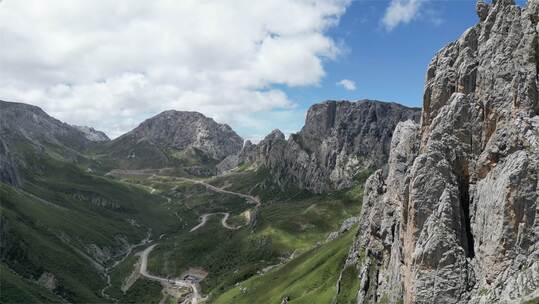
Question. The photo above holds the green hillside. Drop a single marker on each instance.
(72, 224)
(310, 278)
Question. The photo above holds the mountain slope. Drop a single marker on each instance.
(28, 129)
(456, 221)
(174, 138)
(309, 278)
(61, 224)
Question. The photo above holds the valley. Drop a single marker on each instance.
(235, 247)
(368, 202)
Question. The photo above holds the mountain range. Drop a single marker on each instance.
(370, 202)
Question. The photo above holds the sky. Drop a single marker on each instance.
(255, 65)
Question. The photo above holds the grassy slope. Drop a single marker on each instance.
(59, 201)
(288, 221)
(349, 286)
(15, 289)
(310, 278)
(60, 198)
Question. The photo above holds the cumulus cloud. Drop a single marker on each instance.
(348, 84)
(110, 64)
(400, 12)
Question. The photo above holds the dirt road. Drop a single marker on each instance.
(176, 282)
(250, 199)
(204, 219)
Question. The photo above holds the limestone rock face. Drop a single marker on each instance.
(456, 219)
(247, 155)
(339, 139)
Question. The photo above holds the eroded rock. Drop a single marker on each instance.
(455, 220)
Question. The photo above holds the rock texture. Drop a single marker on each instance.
(92, 134)
(339, 139)
(456, 220)
(149, 144)
(246, 156)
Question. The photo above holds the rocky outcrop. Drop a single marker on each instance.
(92, 134)
(339, 139)
(9, 172)
(456, 219)
(174, 136)
(246, 156)
(48, 280)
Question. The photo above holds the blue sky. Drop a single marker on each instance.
(385, 65)
(256, 65)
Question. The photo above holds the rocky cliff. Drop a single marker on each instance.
(171, 134)
(339, 139)
(455, 219)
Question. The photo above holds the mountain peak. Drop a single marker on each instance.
(149, 145)
(92, 134)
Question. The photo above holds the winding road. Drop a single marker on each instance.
(143, 270)
(204, 219)
(250, 199)
(183, 283)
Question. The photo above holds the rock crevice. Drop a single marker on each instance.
(456, 220)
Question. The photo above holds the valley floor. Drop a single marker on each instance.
(240, 236)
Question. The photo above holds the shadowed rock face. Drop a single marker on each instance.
(339, 139)
(456, 219)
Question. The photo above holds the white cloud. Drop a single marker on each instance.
(401, 11)
(348, 84)
(111, 64)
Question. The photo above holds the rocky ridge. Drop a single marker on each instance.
(454, 219)
(92, 134)
(28, 127)
(339, 139)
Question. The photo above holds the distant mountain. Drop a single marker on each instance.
(339, 139)
(92, 134)
(174, 138)
(61, 221)
(25, 131)
(38, 127)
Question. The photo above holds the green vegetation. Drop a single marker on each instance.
(15, 289)
(229, 256)
(61, 212)
(310, 278)
(119, 274)
(287, 222)
(33, 248)
(143, 291)
(349, 285)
